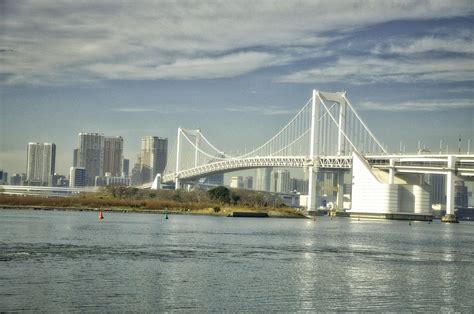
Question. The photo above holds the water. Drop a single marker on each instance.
(71, 261)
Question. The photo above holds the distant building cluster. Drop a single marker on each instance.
(97, 161)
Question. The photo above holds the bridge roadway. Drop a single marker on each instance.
(434, 164)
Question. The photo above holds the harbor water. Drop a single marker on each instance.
(53, 261)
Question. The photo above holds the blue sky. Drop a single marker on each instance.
(239, 70)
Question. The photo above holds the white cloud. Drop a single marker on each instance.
(364, 70)
(426, 105)
(427, 44)
(265, 110)
(60, 42)
(208, 68)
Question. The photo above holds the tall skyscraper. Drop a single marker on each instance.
(113, 155)
(262, 179)
(237, 182)
(126, 168)
(438, 188)
(154, 153)
(91, 155)
(75, 157)
(248, 183)
(40, 163)
(280, 181)
(4, 177)
(77, 177)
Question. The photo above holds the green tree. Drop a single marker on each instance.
(220, 193)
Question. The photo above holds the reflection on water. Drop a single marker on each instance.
(65, 261)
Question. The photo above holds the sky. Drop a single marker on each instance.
(239, 70)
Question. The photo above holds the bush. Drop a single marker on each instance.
(220, 194)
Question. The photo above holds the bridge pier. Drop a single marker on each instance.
(340, 190)
(450, 177)
(312, 181)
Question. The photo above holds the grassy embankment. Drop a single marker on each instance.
(182, 202)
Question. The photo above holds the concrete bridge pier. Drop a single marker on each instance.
(450, 177)
(340, 190)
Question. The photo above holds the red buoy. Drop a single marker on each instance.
(101, 216)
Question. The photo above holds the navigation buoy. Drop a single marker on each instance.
(101, 216)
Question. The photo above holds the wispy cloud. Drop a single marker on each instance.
(258, 109)
(453, 44)
(427, 105)
(168, 109)
(265, 110)
(365, 70)
(55, 42)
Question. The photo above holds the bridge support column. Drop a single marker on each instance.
(177, 186)
(312, 181)
(391, 172)
(450, 176)
(340, 190)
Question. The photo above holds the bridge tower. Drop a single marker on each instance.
(178, 146)
(313, 153)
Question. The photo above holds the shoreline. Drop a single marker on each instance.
(225, 212)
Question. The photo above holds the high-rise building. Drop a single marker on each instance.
(126, 168)
(3, 177)
(237, 182)
(113, 155)
(216, 179)
(438, 188)
(248, 183)
(262, 179)
(460, 194)
(280, 181)
(136, 175)
(40, 163)
(91, 155)
(299, 185)
(15, 179)
(154, 153)
(75, 157)
(77, 177)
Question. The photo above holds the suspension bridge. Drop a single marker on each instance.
(325, 133)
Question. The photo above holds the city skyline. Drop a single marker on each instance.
(238, 73)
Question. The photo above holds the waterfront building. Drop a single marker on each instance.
(136, 175)
(248, 183)
(3, 177)
(437, 184)
(280, 181)
(75, 157)
(214, 180)
(108, 179)
(299, 185)
(15, 179)
(77, 177)
(113, 155)
(470, 193)
(91, 155)
(40, 163)
(237, 182)
(262, 179)
(154, 154)
(126, 168)
(460, 194)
